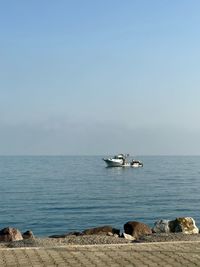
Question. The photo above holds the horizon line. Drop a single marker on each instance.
(95, 155)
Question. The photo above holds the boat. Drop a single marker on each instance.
(136, 163)
(117, 161)
(120, 161)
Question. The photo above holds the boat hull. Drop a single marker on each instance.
(136, 165)
(113, 163)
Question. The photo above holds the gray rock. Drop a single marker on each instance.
(161, 226)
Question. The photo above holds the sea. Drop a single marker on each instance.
(60, 194)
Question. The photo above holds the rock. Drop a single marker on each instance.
(58, 236)
(116, 235)
(185, 225)
(102, 230)
(66, 235)
(137, 229)
(161, 226)
(10, 234)
(128, 237)
(110, 234)
(28, 235)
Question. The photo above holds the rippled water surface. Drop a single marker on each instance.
(52, 195)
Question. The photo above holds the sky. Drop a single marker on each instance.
(99, 77)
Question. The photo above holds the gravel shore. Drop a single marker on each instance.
(96, 240)
(168, 237)
(69, 240)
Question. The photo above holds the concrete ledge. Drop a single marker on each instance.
(176, 253)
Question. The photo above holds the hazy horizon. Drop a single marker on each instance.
(90, 155)
(99, 77)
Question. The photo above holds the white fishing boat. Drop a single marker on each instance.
(120, 161)
(117, 161)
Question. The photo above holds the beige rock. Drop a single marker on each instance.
(10, 234)
(116, 235)
(110, 234)
(185, 225)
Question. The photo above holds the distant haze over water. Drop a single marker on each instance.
(59, 194)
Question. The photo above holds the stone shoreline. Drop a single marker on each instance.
(98, 240)
(180, 229)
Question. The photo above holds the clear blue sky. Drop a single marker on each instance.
(99, 77)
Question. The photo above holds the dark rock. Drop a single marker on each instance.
(58, 236)
(74, 233)
(137, 229)
(10, 234)
(66, 235)
(28, 235)
(102, 230)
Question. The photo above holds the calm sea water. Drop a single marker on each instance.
(58, 194)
